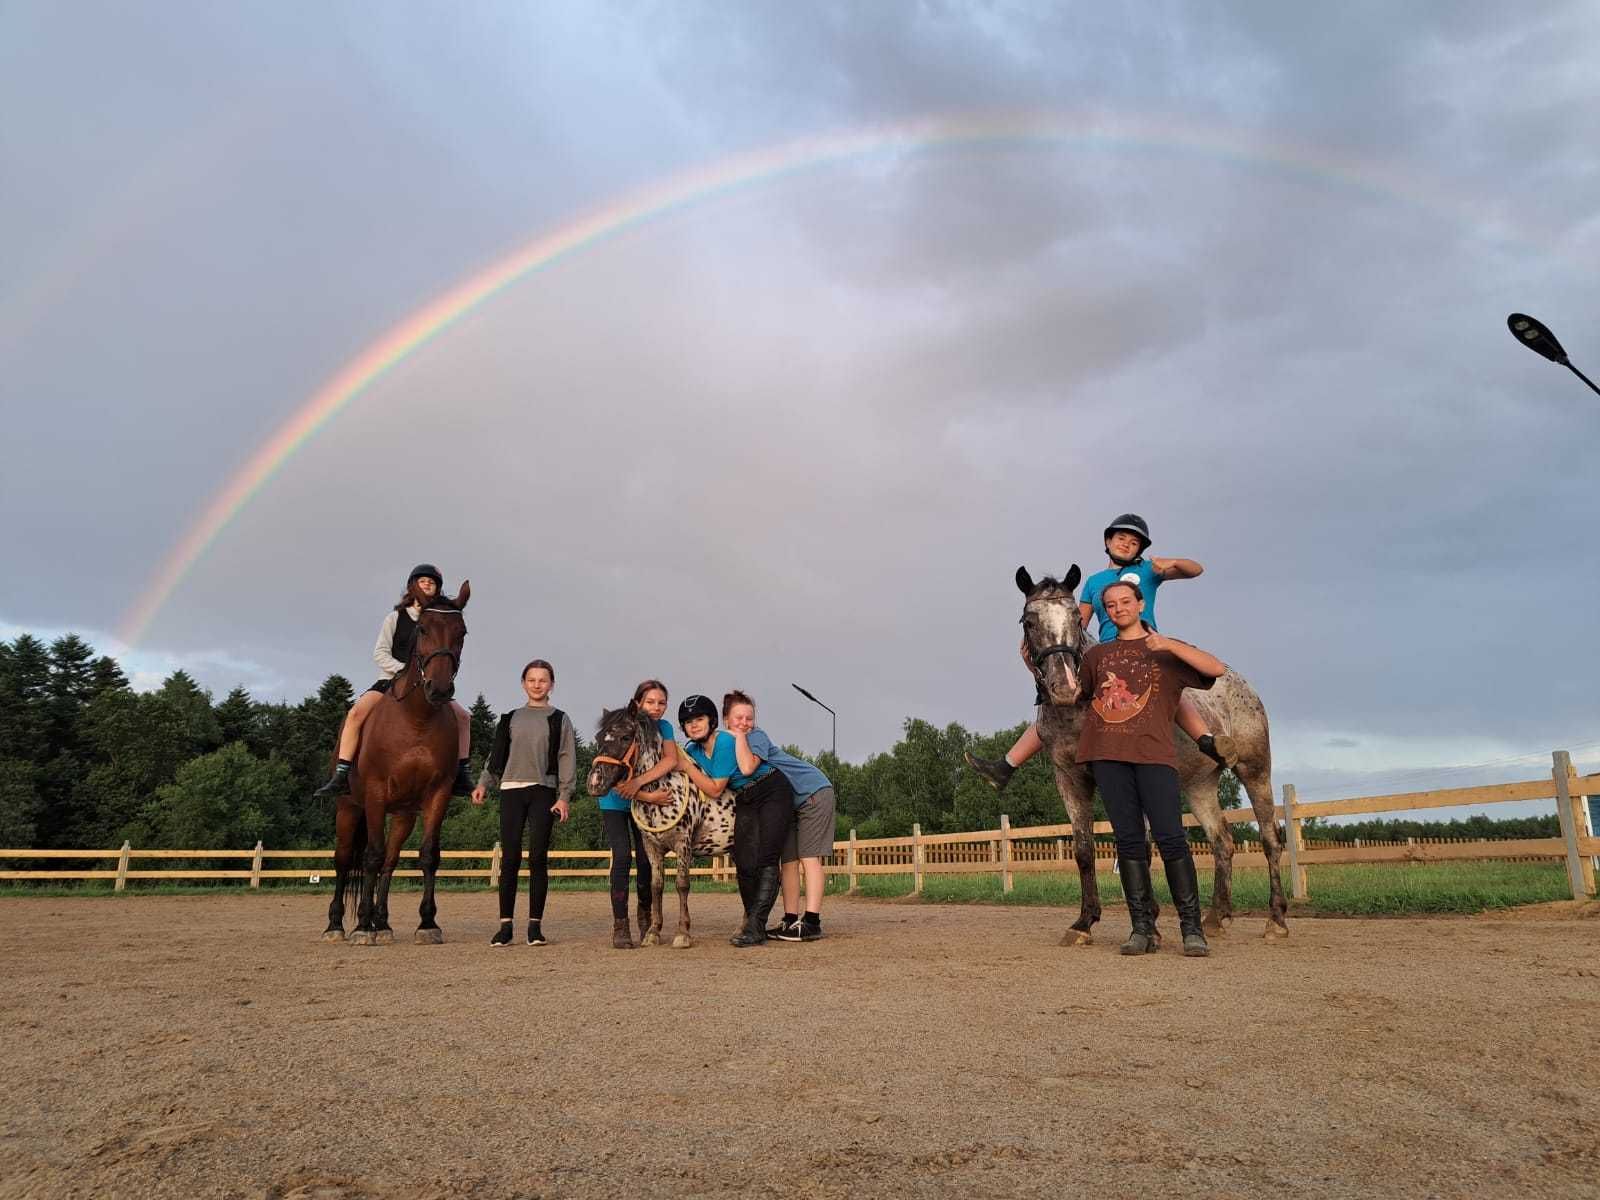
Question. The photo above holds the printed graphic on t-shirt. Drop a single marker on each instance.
(1116, 703)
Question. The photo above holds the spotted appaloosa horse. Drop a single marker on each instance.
(693, 823)
(405, 766)
(1053, 627)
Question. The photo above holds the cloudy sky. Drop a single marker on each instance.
(1010, 269)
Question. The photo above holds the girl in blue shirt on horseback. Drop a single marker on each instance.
(1126, 539)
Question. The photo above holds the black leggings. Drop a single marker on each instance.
(623, 836)
(521, 806)
(1135, 792)
(762, 813)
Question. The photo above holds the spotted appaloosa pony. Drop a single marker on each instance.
(627, 745)
(405, 766)
(1053, 627)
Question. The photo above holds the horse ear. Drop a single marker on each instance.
(464, 594)
(1073, 575)
(1024, 581)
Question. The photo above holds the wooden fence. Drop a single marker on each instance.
(1006, 852)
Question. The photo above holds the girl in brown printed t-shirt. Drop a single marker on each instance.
(1133, 686)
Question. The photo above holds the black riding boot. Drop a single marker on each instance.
(339, 785)
(1219, 749)
(463, 784)
(1136, 890)
(754, 932)
(996, 772)
(1184, 885)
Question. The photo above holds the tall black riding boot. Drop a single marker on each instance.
(754, 932)
(1136, 890)
(1184, 885)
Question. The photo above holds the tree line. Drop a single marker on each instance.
(87, 762)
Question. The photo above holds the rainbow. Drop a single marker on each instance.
(680, 191)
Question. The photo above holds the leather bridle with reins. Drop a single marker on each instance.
(422, 666)
(1074, 654)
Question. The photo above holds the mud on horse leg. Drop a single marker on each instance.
(1081, 813)
(650, 922)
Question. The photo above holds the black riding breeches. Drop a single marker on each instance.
(623, 838)
(1134, 793)
(519, 807)
(762, 814)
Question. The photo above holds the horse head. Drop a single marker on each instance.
(1053, 629)
(441, 632)
(622, 739)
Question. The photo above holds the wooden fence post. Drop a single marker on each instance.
(255, 868)
(852, 861)
(494, 866)
(1005, 853)
(1580, 871)
(916, 859)
(1061, 849)
(122, 868)
(1291, 831)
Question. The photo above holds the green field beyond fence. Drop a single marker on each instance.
(1030, 865)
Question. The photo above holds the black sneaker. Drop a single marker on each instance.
(535, 934)
(503, 936)
(786, 930)
(809, 931)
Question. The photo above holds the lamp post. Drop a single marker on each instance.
(1537, 337)
(831, 713)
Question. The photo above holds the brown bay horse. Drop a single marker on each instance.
(1053, 627)
(403, 769)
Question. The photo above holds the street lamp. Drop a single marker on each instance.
(831, 713)
(1535, 336)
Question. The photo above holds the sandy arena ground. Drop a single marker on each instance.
(212, 1046)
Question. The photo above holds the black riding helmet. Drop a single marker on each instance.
(426, 571)
(696, 706)
(1130, 523)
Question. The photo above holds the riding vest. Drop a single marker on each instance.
(500, 749)
(405, 635)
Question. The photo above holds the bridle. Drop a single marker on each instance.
(1073, 654)
(421, 666)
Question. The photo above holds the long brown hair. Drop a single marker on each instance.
(639, 693)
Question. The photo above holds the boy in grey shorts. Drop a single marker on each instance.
(810, 841)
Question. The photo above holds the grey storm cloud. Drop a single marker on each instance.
(805, 430)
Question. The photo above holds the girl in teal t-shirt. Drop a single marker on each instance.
(623, 836)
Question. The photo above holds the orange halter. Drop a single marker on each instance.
(629, 757)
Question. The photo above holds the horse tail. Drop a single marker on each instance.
(358, 872)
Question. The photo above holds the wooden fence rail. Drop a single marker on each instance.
(1004, 852)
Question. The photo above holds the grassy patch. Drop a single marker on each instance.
(1354, 890)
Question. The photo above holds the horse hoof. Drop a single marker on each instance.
(650, 939)
(682, 942)
(333, 935)
(384, 937)
(1275, 930)
(362, 937)
(1215, 925)
(1078, 937)
(429, 937)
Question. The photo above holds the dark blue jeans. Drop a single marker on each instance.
(1138, 792)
